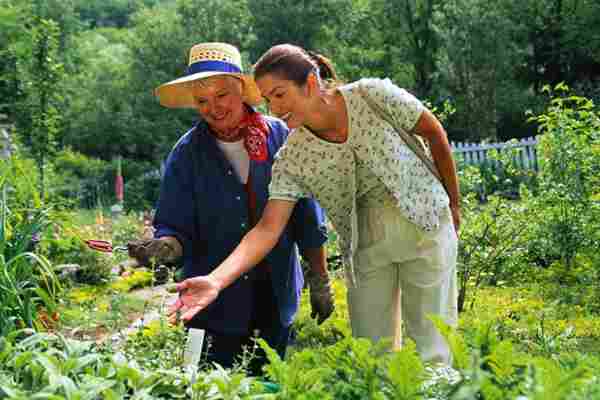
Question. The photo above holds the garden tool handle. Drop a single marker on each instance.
(104, 246)
(99, 245)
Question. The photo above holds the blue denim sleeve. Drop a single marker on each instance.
(175, 206)
(308, 224)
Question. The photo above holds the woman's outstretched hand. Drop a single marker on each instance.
(195, 294)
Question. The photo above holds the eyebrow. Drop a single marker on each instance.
(274, 89)
(217, 93)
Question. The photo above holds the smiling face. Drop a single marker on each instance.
(285, 99)
(219, 102)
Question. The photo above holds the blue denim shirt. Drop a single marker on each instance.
(205, 206)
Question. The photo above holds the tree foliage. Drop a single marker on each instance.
(487, 59)
(41, 74)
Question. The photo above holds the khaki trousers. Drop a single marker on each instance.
(404, 275)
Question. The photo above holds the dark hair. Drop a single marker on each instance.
(295, 64)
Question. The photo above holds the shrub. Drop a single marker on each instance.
(492, 244)
(137, 279)
(19, 179)
(499, 176)
(141, 193)
(94, 266)
(83, 180)
(568, 203)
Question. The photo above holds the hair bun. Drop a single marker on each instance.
(326, 70)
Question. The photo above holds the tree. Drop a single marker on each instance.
(478, 62)
(413, 38)
(62, 12)
(13, 37)
(216, 21)
(113, 110)
(356, 44)
(159, 51)
(99, 112)
(300, 22)
(42, 73)
(563, 37)
(105, 13)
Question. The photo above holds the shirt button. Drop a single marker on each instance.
(238, 198)
(245, 277)
(229, 172)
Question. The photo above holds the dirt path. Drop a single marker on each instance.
(158, 299)
(155, 295)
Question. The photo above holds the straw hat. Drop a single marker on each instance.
(206, 60)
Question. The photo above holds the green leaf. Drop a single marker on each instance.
(51, 366)
(457, 344)
(407, 373)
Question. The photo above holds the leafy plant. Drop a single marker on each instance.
(137, 279)
(406, 373)
(306, 331)
(568, 221)
(493, 241)
(27, 280)
(156, 345)
(52, 366)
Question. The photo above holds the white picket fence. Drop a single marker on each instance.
(477, 153)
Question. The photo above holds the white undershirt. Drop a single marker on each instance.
(238, 157)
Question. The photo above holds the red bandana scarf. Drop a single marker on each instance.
(254, 130)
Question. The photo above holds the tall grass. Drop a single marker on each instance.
(27, 282)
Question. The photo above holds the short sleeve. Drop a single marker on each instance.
(405, 108)
(285, 185)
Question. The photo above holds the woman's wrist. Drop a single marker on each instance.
(218, 282)
(454, 202)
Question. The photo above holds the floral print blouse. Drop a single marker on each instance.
(344, 177)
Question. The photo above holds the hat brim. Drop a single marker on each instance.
(176, 94)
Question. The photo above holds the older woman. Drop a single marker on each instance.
(213, 192)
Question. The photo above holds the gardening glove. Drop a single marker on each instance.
(163, 250)
(321, 296)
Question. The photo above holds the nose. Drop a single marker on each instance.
(210, 107)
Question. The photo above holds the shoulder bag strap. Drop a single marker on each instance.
(411, 140)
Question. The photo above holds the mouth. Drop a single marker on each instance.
(219, 117)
